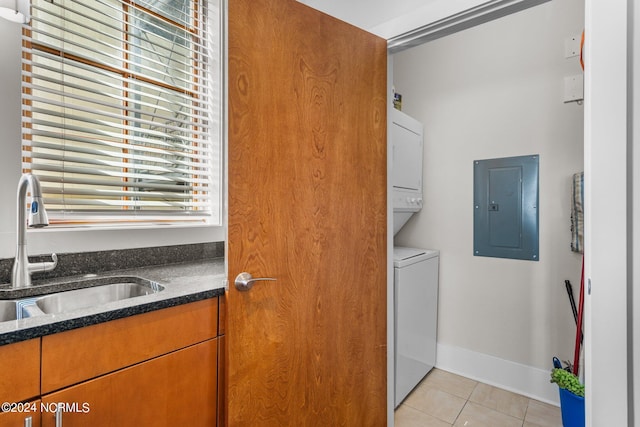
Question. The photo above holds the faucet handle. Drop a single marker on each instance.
(39, 267)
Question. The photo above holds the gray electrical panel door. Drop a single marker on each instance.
(505, 220)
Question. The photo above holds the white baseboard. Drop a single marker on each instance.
(518, 378)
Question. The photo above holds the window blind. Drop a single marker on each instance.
(121, 108)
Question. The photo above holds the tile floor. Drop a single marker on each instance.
(443, 399)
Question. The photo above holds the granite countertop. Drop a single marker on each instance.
(183, 283)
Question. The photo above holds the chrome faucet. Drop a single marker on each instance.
(22, 268)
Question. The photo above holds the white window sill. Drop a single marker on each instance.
(88, 239)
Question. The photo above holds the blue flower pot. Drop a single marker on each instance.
(572, 408)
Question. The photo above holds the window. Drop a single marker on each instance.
(121, 109)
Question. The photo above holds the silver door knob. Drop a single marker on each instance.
(244, 281)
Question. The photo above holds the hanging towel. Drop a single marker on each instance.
(577, 212)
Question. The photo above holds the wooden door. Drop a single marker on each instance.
(307, 206)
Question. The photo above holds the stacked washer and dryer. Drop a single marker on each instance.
(415, 270)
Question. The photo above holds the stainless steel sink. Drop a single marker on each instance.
(94, 296)
(8, 311)
(62, 297)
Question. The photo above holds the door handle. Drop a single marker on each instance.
(28, 422)
(244, 281)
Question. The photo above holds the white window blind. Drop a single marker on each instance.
(121, 109)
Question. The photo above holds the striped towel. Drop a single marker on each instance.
(577, 213)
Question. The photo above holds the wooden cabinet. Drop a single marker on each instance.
(20, 377)
(154, 369)
(80, 354)
(222, 402)
(177, 389)
(18, 415)
(19, 382)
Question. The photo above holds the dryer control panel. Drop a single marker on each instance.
(406, 201)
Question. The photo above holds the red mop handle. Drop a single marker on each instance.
(576, 354)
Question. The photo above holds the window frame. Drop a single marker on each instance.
(143, 223)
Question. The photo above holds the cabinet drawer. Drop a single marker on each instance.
(18, 418)
(177, 389)
(20, 378)
(81, 354)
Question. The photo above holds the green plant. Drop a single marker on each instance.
(567, 380)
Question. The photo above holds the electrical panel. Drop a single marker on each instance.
(505, 220)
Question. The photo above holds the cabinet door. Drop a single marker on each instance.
(21, 414)
(178, 389)
(81, 354)
(20, 377)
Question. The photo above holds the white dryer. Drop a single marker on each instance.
(416, 316)
(407, 152)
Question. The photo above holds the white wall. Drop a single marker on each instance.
(392, 19)
(50, 240)
(496, 91)
(378, 12)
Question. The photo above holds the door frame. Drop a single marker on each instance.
(610, 214)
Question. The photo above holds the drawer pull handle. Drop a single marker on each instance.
(59, 417)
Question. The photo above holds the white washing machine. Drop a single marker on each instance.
(416, 316)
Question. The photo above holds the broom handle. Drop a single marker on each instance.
(574, 310)
(576, 354)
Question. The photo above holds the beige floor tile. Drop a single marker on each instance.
(406, 416)
(541, 414)
(450, 383)
(443, 399)
(436, 403)
(474, 415)
(501, 400)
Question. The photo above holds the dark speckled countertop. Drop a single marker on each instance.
(184, 282)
